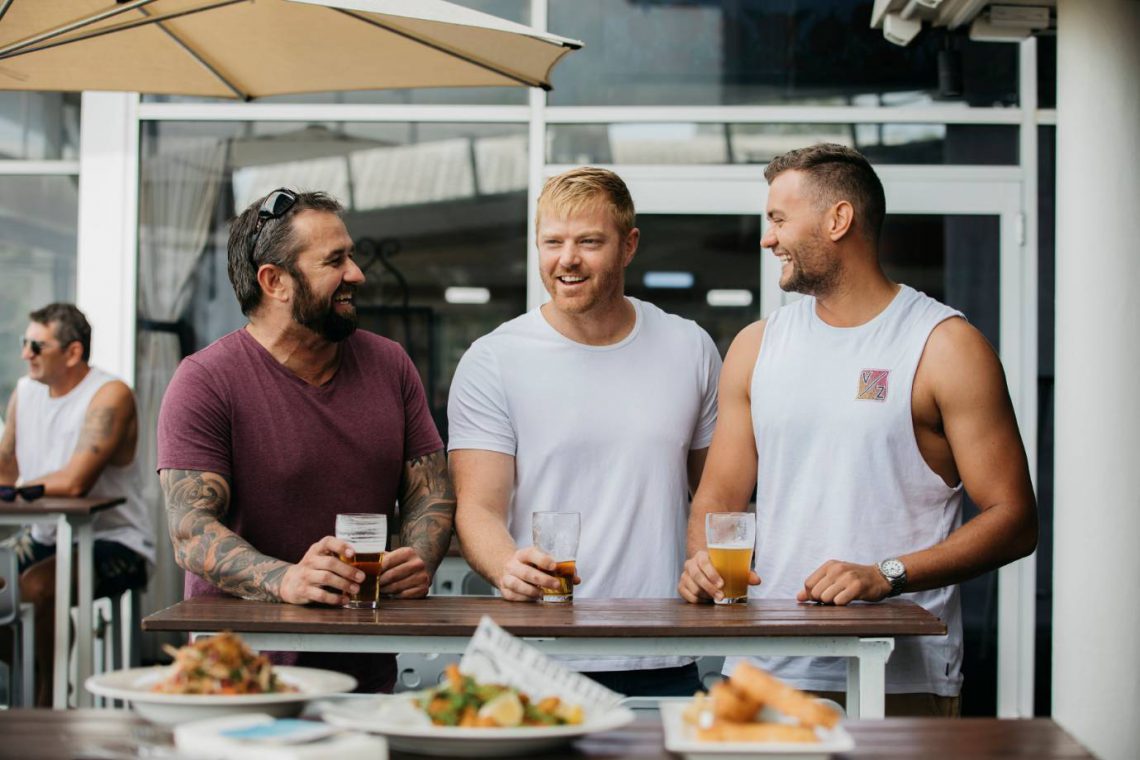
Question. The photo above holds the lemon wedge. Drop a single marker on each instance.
(505, 710)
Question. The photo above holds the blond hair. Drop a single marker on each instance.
(586, 187)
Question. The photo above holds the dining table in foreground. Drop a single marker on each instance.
(59, 735)
(863, 633)
(72, 518)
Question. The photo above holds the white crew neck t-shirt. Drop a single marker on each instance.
(600, 430)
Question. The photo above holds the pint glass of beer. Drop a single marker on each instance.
(368, 536)
(731, 536)
(556, 534)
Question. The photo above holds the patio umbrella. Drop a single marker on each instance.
(254, 48)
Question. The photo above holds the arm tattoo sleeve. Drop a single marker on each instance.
(196, 503)
(427, 507)
(97, 430)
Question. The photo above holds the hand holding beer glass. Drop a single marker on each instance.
(731, 537)
(556, 534)
(368, 536)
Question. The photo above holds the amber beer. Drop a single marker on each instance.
(564, 572)
(371, 563)
(733, 564)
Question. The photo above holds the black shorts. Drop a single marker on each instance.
(117, 568)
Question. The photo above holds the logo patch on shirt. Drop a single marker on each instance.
(873, 384)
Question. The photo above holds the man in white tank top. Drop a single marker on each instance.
(72, 431)
(868, 408)
(593, 403)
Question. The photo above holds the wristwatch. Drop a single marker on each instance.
(895, 573)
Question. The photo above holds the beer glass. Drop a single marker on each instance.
(731, 537)
(556, 534)
(368, 536)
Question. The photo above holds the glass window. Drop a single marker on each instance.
(432, 208)
(692, 143)
(752, 52)
(702, 267)
(512, 10)
(39, 126)
(38, 218)
(954, 258)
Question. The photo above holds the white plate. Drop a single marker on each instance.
(376, 715)
(135, 686)
(680, 737)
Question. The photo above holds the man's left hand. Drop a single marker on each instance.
(838, 583)
(404, 575)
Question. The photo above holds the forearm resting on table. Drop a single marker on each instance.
(427, 507)
(485, 542)
(195, 503)
(1001, 534)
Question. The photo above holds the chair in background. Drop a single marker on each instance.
(18, 617)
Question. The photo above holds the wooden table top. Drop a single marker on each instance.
(610, 618)
(63, 735)
(60, 505)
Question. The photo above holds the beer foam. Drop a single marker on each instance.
(730, 546)
(367, 547)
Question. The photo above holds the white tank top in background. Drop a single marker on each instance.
(47, 432)
(840, 474)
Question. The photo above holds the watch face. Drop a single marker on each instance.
(892, 568)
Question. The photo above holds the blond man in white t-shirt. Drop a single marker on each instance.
(593, 403)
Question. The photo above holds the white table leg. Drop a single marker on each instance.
(866, 679)
(84, 647)
(62, 612)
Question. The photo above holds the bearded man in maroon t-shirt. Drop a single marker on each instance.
(268, 433)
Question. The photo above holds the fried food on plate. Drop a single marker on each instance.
(768, 691)
(731, 731)
(732, 705)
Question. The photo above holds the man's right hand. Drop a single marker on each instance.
(523, 579)
(700, 582)
(320, 575)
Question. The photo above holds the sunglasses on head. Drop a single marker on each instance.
(35, 346)
(27, 493)
(275, 206)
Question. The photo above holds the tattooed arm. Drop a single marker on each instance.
(9, 468)
(427, 510)
(196, 504)
(110, 430)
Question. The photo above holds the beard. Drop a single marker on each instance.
(321, 318)
(814, 271)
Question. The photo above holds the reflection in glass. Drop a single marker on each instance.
(38, 219)
(761, 52)
(683, 258)
(39, 126)
(430, 207)
(692, 143)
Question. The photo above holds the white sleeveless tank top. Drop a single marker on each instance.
(840, 475)
(47, 432)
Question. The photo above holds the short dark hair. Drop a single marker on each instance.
(67, 323)
(277, 244)
(838, 173)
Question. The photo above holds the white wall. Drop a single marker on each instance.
(108, 228)
(1096, 652)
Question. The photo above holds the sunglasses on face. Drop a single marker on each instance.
(35, 346)
(275, 206)
(27, 493)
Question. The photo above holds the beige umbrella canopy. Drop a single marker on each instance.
(254, 48)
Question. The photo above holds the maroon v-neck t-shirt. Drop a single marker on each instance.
(296, 455)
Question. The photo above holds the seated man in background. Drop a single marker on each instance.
(594, 403)
(268, 433)
(73, 429)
